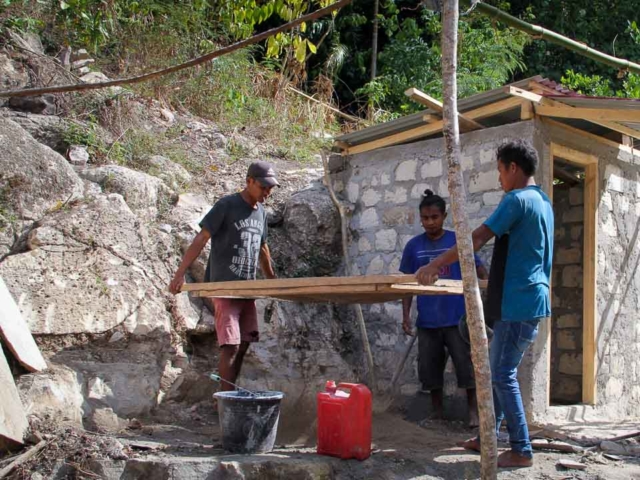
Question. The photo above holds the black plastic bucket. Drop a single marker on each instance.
(249, 423)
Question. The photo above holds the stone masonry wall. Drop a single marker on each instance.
(385, 188)
(618, 277)
(566, 325)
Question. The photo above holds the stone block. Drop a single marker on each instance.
(492, 198)
(614, 389)
(606, 200)
(483, 182)
(567, 389)
(376, 267)
(385, 179)
(13, 421)
(576, 196)
(353, 189)
(370, 197)
(572, 276)
(386, 240)
(568, 256)
(608, 227)
(570, 363)
(567, 339)
(569, 320)
(397, 216)
(375, 181)
(467, 161)
(394, 265)
(369, 219)
(417, 191)
(615, 180)
(397, 196)
(472, 208)
(573, 215)
(576, 232)
(487, 156)
(364, 245)
(558, 233)
(431, 169)
(406, 171)
(404, 239)
(443, 187)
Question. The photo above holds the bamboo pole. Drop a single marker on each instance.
(347, 265)
(553, 37)
(473, 302)
(29, 92)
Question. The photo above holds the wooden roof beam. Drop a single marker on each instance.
(466, 124)
(540, 101)
(435, 127)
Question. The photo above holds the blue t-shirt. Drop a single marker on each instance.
(525, 217)
(434, 311)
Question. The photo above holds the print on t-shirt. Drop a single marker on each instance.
(243, 263)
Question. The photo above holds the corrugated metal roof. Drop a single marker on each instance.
(583, 101)
(408, 122)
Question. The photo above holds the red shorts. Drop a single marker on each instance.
(236, 321)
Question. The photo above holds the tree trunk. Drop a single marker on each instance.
(473, 302)
(374, 41)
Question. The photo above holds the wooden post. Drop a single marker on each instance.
(473, 302)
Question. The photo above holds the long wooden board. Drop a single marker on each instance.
(356, 289)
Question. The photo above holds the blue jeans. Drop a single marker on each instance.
(510, 341)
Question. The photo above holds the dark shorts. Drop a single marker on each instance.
(432, 357)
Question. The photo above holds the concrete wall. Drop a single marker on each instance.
(385, 188)
(618, 281)
(566, 325)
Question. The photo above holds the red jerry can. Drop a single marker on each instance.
(344, 421)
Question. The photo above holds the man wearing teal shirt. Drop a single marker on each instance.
(518, 292)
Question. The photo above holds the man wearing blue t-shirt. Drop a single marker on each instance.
(438, 315)
(518, 293)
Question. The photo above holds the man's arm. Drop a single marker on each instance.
(189, 257)
(265, 261)
(406, 315)
(482, 273)
(428, 274)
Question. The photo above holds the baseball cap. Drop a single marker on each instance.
(264, 173)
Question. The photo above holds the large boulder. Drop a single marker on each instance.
(174, 175)
(46, 129)
(311, 240)
(91, 269)
(33, 178)
(12, 75)
(141, 191)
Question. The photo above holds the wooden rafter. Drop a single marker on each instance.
(541, 101)
(432, 128)
(466, 123)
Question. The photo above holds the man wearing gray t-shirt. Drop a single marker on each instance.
(237, 228)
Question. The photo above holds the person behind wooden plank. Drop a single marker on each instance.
(237, 227)
(438, 315)
(518, 294)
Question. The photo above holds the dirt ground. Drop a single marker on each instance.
(190, 448)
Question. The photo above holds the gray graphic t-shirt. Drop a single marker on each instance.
(237, 232)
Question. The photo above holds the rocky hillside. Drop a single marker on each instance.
(92, 229)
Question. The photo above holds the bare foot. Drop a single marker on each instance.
(471, 444)
(511, 459)
(473, 420)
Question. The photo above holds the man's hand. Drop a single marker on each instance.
(406, 326)
(176, 283)
(427, 275)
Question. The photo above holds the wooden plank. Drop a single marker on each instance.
(572, 155)
(590, 272)
(586, 135)
(430, 129)
(600, 114)
(16, 334)
(422, 98)
(541, 101)
(526, 111)
(13, 420)
(301, 282)
(22, 458)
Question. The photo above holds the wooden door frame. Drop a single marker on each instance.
(589, 263)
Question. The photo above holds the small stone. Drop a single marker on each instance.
(83, 71)
(370, 197)
(82, 63)
(484, 181)
(94, 77)
(134, 424)
(352, 192)
(376, 267)
(397, 196)
(116, 337)
(572, 465)
(364, 245)
(78, 155)
(167, 115)
(386, 240)
(369, 219)
(81, 54)
(165, 227)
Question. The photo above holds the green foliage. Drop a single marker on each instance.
(587, 84)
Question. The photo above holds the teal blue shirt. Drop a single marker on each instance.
(526, 217)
